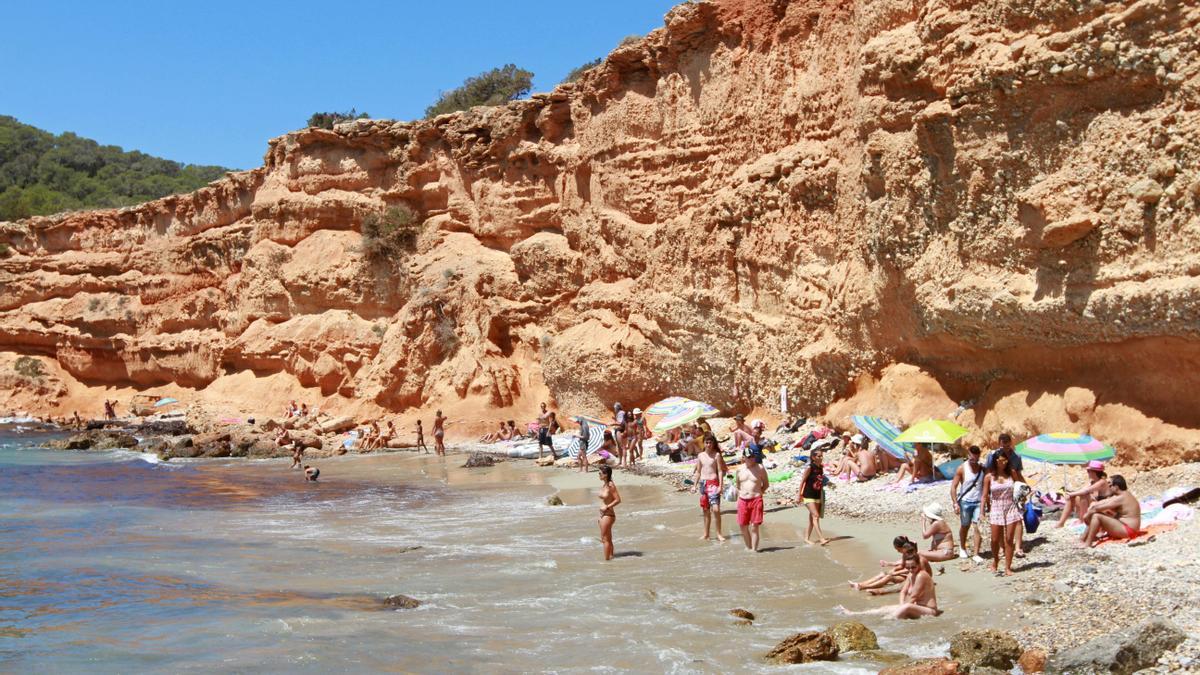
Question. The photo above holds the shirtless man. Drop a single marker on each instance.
(919, 467)
(866, 459)
(1120, 515)
(421, 437)
(707, 479)
(543, 421)
(918, 597)
(439, 433)
(283, 437)
(388, 434)
(752, 482)
(742, 434)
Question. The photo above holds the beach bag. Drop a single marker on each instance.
(731, 492)
(1033, 517)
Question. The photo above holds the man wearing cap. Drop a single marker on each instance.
(1014, 463)
(752, 482)
(965, 496)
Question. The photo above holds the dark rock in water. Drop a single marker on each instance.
(401, 602)
(985, 649)
(95, 439)
(878, 656)
(742, 614)
(157, 446)
(853, 636)
(554, 500)
(1122, 652)
(804, 648)
(924, 667)
(163, 428)
(478, 459)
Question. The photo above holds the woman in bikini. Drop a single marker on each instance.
(609, 499)
(895, 573)
(1079, 501)
(812, 495)
(439, 433)
(935, 528)
(1002, 512)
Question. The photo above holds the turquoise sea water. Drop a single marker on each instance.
(115, 562)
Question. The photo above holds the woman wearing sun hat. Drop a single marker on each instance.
(935, 528)
(1079, 501)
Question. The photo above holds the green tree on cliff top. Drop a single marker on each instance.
(326, 120)
(495, 87)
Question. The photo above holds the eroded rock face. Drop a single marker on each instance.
(759, 193)
(1123, 652)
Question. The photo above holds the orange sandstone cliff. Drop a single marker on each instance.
(886, 205)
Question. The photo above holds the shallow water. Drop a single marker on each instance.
(114, 562)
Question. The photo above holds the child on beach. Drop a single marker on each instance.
(311, 473)
(707, 480)
(421, 437)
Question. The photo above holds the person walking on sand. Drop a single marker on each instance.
(1002, 512)
(439, 433)
(1079, 501)
(935, 528)
(421, 437)
(752, 482)
(965, 496)
(707, 479)
(812, 496)
(1120, 515)
(1016, 465)
(543, 421)
(609, 499)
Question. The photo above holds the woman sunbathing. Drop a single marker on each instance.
(1079, 501)
(895, 574)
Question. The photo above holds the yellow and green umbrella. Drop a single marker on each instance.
(932, 431)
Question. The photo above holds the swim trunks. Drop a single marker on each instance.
(750, 511)
(710, 494)
(1130, 533)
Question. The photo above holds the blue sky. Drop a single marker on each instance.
(211, 82)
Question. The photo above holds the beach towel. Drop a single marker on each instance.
(906, 488)
(1143, 535)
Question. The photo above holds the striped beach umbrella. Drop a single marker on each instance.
(932, 431)
(595, 435)
(684, 415)
(666, 405)
(1065, 448)
(884, 433)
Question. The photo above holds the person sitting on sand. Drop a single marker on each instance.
(707, 479)
(311, 473)
(935, 528)
(752, 483)
(371, 438)
(918, 596)
(848, 465)
(919, 466)
(1002, 512)
(895, 571)
(283, 437)
(1079, 501)
(966, 496)
(609, 499)
(303, 410)
(867, 469)
(387, 435)
(812, 496)
(494, 436)
(1120, 516)
(886, 461)
(786, 425)
(742, 434)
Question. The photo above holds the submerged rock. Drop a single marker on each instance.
(853, 636)
(554, 500)
(1122, 652)
(742, 614)
(478, 459)
(95, 439)
(804, 648)
(401, 602)
(985, 649)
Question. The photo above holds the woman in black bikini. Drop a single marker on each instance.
(812, 495)
(609, 498)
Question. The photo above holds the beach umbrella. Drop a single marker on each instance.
(165, 401)
(684, 415)
(1065, 448)
(596, 430)
(666, 405)
(932, 431)
(884, 434)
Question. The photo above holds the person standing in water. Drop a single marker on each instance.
(421, 437)
(609, 499)
(812, 495)
(751, 484)
(439, 433)
(707, 479)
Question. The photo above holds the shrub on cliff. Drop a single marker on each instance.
(390, 234)
(4, 250)
(578, 71)
(326, 120)
(27, 366)
(41, 173)
(495, 87)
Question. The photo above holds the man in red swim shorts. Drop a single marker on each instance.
(751, 483)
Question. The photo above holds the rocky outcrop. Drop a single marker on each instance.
(99, 439)
(758, 193)
(804, 648)
(479, 459)
(974, 649)
(924, 667)
(401, 602)
(1122, 652)
(853, 636)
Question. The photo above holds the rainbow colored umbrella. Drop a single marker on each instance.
(665, 406)
(1065, 448)
(884, 434)
(685, 414)
(932, 431)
